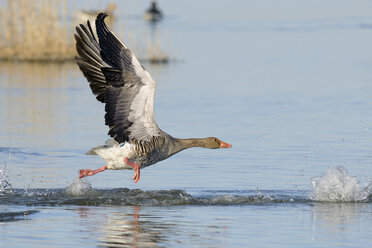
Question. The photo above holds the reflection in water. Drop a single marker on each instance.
(45, 99)
(49, 119)
(32, 103)
(156, 54)
(336, 217)
(134, 226)
(39, 112)
(125, 228)
(35, 75)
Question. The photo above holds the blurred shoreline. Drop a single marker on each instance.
(42, 31)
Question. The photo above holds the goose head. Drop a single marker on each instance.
(214, 143)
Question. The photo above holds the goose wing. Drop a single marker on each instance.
(118, 79)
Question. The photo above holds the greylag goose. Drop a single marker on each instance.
(117, 79)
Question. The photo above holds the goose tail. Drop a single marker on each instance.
(109, 143)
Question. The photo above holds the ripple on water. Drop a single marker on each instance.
(335, 185)
(81, 194)
(14, 216)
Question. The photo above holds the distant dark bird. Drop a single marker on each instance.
(153, 14)
(117, 79)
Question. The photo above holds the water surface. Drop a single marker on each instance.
(288, 84)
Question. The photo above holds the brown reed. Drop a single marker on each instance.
(41, 31)
(35, 31)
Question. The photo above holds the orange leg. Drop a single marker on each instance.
(89, 172)
(136, 169)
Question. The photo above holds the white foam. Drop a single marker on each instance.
(5, 185)
(79, 187)
(336, 185)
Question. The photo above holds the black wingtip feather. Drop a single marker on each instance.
(110, 45)
(89, 60)
(101, 17)
(91, 31)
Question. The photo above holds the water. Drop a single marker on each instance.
(286, 83)
(336, 185)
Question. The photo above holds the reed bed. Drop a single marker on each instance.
(42, 31)
(35, 31)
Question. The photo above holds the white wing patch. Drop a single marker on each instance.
(142, 108)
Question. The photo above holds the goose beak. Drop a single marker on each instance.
(225, 145)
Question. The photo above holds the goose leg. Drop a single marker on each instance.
(89, 172)
(136, 169)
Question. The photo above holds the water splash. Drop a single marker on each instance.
(79, 187)
(337, 185)
(5, 185)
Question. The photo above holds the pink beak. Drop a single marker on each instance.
(224, 145)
